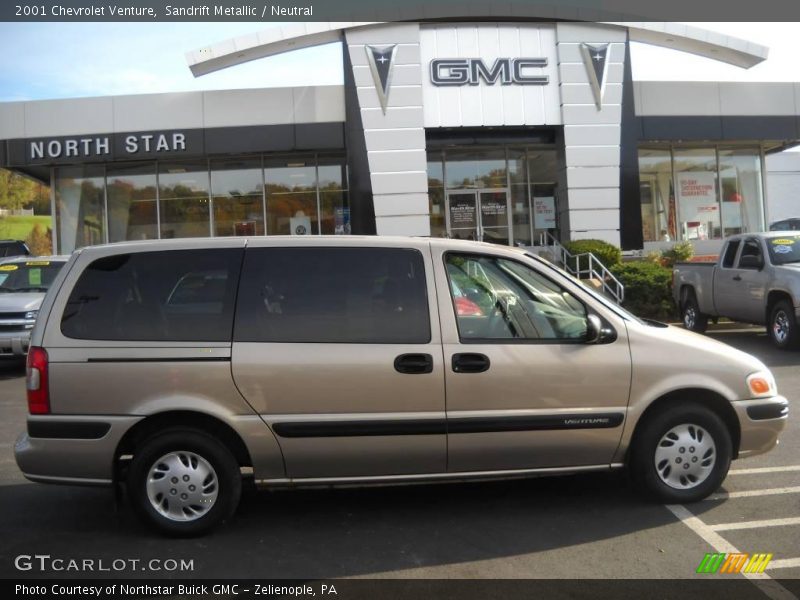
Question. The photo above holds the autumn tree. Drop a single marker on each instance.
(17, 191)
(40, 241)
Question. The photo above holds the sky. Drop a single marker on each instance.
(69, 60)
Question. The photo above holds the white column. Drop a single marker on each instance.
(395, 140)
(591, 136)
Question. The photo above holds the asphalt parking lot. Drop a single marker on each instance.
(588, 526)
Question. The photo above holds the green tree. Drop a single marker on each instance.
(17, 191)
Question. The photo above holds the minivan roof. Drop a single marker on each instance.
(310, 240)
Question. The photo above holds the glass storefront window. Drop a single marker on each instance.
(656, 194)
(542, 165)
(236, 191)
(334, 208)
(521, 214)
(201, 198)
(436, 194)
(487, 193)
(80, 207)
(742, 198)
(291, 191)
(476, 169)
(700, 193)
(335, 211)
(183, 198)
(696, 191)
(545, 208)
(132, 210)
(517, 166)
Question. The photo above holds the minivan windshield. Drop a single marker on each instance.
(28, 276)
(784, 250)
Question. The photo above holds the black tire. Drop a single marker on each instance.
(692, 318)
(782, 326)
(648, 441)
(187, 447)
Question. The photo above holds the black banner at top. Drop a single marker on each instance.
(392, 10)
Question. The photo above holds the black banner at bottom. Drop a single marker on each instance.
(713, 588)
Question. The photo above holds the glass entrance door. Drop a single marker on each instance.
(494, 216)
(462, 215)
(478, 215)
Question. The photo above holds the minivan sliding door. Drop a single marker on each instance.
(334, 347)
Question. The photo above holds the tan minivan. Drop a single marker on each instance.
(180, 367)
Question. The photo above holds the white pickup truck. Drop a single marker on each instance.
(756, 280)
(24, 281)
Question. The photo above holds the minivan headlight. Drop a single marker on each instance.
(31, 314)
(761, 385)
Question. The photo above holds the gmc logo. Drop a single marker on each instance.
(470, 71)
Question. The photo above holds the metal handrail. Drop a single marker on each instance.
(594, 268)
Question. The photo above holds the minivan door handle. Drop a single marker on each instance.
(469, 362)
(413, 364)
(737, 278)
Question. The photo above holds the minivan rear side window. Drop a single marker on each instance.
(164, 296)
(333, 295)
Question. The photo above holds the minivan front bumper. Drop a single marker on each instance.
(761, 422)
(71, 450)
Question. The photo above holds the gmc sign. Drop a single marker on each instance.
(470, 71)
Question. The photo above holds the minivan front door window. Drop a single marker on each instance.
(495, 298)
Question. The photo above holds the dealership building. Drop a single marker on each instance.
(507, 131)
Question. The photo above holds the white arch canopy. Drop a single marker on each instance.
(277, 40)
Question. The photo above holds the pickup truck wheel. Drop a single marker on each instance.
(681, 454)
(693, 319)
(783, 326)
(183, 482)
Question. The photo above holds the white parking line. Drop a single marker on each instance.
(762, 581)
(755, 524)
(753, 493)
(784, 563)
(764, 470)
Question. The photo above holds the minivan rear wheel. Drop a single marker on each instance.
(681, 454)
(184, 482)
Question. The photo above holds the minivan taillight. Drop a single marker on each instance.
(36, 381)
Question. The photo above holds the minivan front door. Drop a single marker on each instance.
(524, 390)
(338, 349)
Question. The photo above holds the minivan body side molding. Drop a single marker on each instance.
(161, 360)
(423, 477)
(68, 430)
(451, 425)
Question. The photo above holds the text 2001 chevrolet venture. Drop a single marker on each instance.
(177, 366)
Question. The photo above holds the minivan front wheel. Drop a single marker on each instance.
(184, 482)
(681, 454)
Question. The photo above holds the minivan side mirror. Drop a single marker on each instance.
(596, 333)
(594, 329)
(751, 262)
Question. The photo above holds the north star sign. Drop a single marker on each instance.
(471, 71)
(91, 146)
